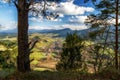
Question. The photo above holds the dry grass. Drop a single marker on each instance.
(48, 64)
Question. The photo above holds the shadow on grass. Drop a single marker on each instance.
(55, 75)
(6, 72)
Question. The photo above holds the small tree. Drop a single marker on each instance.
(70, 57)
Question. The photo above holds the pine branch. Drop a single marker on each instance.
(31, 2)
(15, 3)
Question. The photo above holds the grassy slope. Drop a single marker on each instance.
(46, 40)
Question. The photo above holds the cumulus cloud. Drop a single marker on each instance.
(66, 8)
(61, 15)
(78, 19)
(4, 1)
(37, 19)
(9, 26)
(69, 8)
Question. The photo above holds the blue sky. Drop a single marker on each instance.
(71, 15)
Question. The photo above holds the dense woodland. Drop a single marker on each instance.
(38, 56)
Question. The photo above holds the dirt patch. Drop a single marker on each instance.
(49, 64)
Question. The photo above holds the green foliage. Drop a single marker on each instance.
(7, 57)
(70, 57)
(106, 14)
(101, 57)
(105, 19)
(5, 61)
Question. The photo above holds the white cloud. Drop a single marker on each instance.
(40, 19)
(69, 8)
(77, 19)
(61, 15)
(4, 1)
(34, 19)
(76, 23)
(112, 21)
(63, 8)
(9, 26)
(74, 27)
(55, 20)
(13, 25)
(40, 27)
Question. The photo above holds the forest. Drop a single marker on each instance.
(82, 43)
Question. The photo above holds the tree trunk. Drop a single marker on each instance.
(116, 36)
(23, 62)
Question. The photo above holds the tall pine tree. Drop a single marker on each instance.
(108, 16)
(24, 46)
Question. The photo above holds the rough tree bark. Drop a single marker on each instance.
(116, 36)
(23, 62)
(24, 48)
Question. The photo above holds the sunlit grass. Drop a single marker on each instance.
(2, 48)
(37, 56)
(42, 69)
(87, 43)
(11, 39)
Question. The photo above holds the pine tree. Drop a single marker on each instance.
(108, 15)
(70, 57)
(24, 46)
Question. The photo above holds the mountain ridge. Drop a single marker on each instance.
(60, 32)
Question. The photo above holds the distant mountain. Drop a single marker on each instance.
(60, 32)
(40, 31)
(64, 32)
